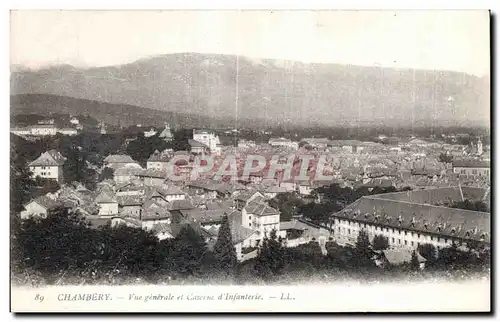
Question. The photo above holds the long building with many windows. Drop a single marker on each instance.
(409, 219)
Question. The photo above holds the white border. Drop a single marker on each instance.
(148, 4)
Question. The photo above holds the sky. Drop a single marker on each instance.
(443, 40)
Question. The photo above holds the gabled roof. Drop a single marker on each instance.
(180, 205)
(238, 232)
(151, 173)
(129, 200)
(49, 158)
(45, 202)
(197, 144)
(119, 158)
(452, 222)
(260, 209)
(105, 197)
(161, 228)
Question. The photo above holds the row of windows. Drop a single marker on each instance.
(412, 234)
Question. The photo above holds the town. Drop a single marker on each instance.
(405, 196)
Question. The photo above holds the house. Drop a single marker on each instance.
(162, 231)
(283, 142)
(409, 219)
(48, 165)
(127, 173)
(471, 168)
(208, 139)
(198, 147)
(243, 237)
(257, 215)
(130, 206)
(273, 191)
(172, 193)
(242, 199)
(116, 161)
(108, 205)
(150, 133)
(396, 257)
(166, 134)
(153, 213)
(68, 131)
(74, 120)
(159, 161)
(40, 206)
(153, 177)
(21, 131)
(43, 130)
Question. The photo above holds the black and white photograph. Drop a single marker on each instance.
(250, 161)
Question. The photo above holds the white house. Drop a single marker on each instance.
(108, 205)
(209, 139)
(74, 120)
(283, 142)
(43, 129)
(38, 207)
(49, 165)
(68, 131)
(257, 215)
(116, 161)
(166, 134)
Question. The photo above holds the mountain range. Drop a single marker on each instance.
(239, 91)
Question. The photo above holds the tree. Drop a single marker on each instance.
(224, 253)
(106, 173)
(288, 204)
(362, 256)
(445, 158)
(428, 251)
(380, 242)
(471, 205)
(271, 259)
(189, 252)
(414, 264)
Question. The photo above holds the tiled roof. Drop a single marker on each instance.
(204, 216)
(161, 228)
(105, 197)
(471, 164)
(118, 158)
(129, 200)
(128, 171)
(49, 158)
(151, 173)
(260, 209)
(46, 202)
(452, 222)
(294, 224)
(180, 205)
(435, 196)
(197, 144)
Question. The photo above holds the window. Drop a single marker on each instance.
(348, 231)
(406, 242)
(249, 217)
(393, 241)
(406, 232)
(339, 229)
(412, 243)
(365, 225)
(439, 239)
(418, 244)
(432, 237)
(418, 235)
(446, 240)
(250, 224)
(399, 241)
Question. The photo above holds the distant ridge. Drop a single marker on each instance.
(281, 92)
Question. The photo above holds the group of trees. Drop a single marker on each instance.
(65, 249)
(467, 204)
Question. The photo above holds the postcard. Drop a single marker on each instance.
(250, 161)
